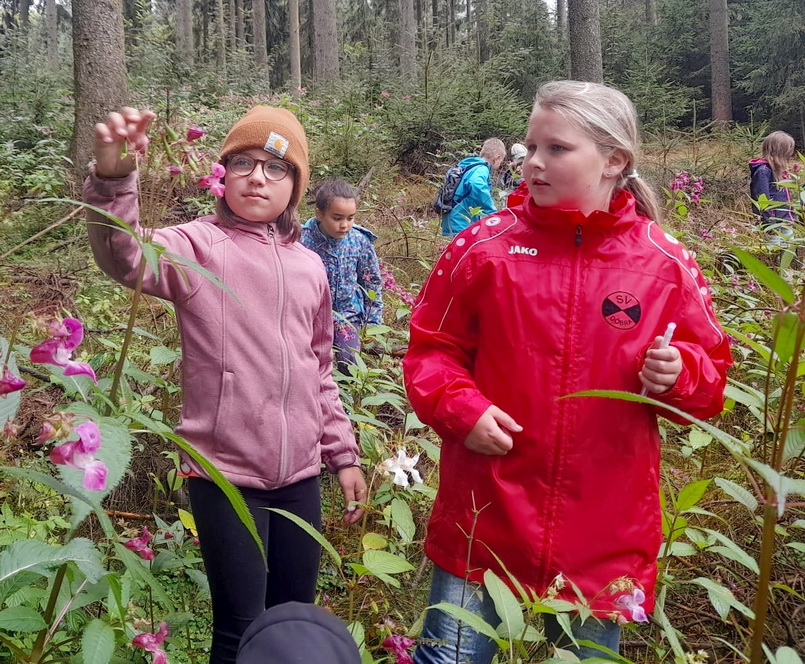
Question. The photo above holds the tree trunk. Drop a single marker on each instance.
(651, 12)
(451, 22)
(52, 36)
(407, 41)
(232, 36)
(241, 26)
(325, 34)
(25, 6)
(482, 25)
(220, 50)
(184, 32)
(296, 52)
(721, 96)
(561, 17)
(434, 24)
(99, 69)
(585, 41)
(259, 33)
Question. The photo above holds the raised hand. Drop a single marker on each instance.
(129, 129)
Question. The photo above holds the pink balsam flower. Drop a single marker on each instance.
(80, 454)
(632, 603)
(152, 642)
(140, 545)
(194, 133)
(10, 382)
(213, 180)
(65, 337)
(398, 645)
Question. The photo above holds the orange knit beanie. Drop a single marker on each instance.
(275, 130)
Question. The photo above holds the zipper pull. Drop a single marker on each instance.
(578, 235)
(270, 231)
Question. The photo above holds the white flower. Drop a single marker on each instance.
(558, 581)
(400, 466)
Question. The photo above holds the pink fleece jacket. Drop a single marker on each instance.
(259, 400)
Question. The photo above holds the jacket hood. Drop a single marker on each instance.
(755, 164)
(472, 161)
(296, 632)
(312, 225)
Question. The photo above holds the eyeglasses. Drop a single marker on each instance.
(244, 165)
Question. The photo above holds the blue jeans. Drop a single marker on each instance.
(440, 642)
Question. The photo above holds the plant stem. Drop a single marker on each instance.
(35, 236)
(762, 597)
(135, 300)
(41, 639)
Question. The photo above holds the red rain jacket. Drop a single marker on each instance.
(524, 307)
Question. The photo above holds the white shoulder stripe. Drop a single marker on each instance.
(687, 270)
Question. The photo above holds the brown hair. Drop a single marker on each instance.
(609, 118)
(778, 149)
(287, 222)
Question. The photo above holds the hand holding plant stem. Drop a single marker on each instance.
(119, 140)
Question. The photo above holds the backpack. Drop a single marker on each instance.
(445, 197)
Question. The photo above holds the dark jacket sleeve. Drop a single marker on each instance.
(761, 184)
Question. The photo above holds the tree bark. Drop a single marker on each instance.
(232, 35)
(99, 69)
(561, 17)
(407, 41)
(325, 34)
(220, 49)
(585, 41)
(240, 30)
(721, 96)
(482, 25)
(184, 32)
(295, 43)
(651, 12)
(52, 36)
(259, 33)
(25, 6)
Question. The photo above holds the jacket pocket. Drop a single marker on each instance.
(223, 415)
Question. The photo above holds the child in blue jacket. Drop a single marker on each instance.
(777, 152)
(353, 271)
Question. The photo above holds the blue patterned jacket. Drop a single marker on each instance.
(352, 270)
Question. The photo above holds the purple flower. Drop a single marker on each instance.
(194, 133)
(80, 454)
(385, 94)
(152, 642)
(213, 181)
(632, 603)
(65, 338)
(140, 545)
(398, 645)
(10, 382)
(174, 170)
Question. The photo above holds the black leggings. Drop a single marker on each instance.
(240, 588)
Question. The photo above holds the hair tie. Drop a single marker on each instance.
(633, 175)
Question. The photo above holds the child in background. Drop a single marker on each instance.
(259, 398)
(570, 291)
(513, 172)
(777, 152)
(353, 271)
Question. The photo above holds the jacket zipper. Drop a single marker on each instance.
(564, 405)
(284, 353)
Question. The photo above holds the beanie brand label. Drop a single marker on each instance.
(277, 144)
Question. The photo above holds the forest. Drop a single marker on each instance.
(390, 93)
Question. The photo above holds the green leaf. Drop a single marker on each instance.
(785, 329)
(151, 254)
(134, 564)
(737, 492)
(230, 491)
(781, 485)
(209, 276)
(35, 555)
(9, 403)
(682, 549)
(506, 606)
(786, 655)
(743, 394)
(374, 542)
(691, 494)
(732, 551)
(403, 520)
(472, 620)
(383, 562)
(162, 355)
(722, 598)
(358, 634)
(765, 275)
(98, 643)
(21, 619)
(310, 530)
(361, 570)
(413, 422)
(667, 627)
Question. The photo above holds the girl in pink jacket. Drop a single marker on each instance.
(258, 396)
